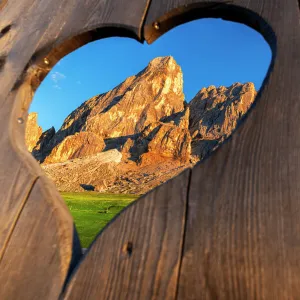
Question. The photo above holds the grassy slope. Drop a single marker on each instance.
(92, 211)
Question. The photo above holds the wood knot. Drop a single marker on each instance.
(5, 30)
(127, 249)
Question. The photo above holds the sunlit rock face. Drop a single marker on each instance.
(41, 149)
(170, 139)
(215, 113)
(146, 122)
(33, 131)
(94, 173)
(81, 144)
(154, 93)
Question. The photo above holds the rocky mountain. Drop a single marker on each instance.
(147, 122)
(95, 172)
(80, 144)
(215, 113)
(33, 131)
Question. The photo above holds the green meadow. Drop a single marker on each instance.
(91, 211)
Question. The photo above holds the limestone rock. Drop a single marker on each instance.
(74, 146)
(93, 173)
(164, 140)
(41, 149)
(181, 119)
(33, 131)
(171, 141)
(106, 172)
(127, 148)
(140, 133)
(215, 113)
(150, 158)
(154, 93)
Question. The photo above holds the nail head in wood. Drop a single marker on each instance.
(46, 61)
(20, 120)
(156, 25)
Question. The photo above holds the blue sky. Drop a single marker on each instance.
(209, 51)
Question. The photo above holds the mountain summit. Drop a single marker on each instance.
(147, 121)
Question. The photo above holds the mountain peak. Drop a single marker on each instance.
(163, 61)
(147, 119)
(33, 131)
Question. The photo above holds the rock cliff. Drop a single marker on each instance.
(148, 122)
(33, 131)
(215, 113)
(42, 147)
(154, 93)
(80, 144)
(93, 173)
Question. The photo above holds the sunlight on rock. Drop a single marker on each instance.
(146, 119)
(127, 139)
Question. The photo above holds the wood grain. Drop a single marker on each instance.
(138, 255)
(39, 27)
(39, 252)
(33, 217)
(237, 237)
(2, 4)
(20, 176)
(242, 239)
(170, 13)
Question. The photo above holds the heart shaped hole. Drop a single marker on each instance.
(141, 125)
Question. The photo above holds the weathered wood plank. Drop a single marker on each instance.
(34, 30)
(38, 26)
(16, 175)
(170, 13)
(2, 4)
(243, 225)
(31, 30)
(242, 234)
(138, 255)
(15, 193)
(38, 253)
(21, 178)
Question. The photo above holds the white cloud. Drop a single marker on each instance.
(57, 76)
(78, 82)
(56, 86)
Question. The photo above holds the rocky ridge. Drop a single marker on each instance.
(33, 131)
(145, 121)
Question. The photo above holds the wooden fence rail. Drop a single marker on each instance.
(227, 229)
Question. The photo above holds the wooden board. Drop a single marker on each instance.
(34, 35)
(38, 254)
(167, 14)
(230, 231)
(138, 255)
(242, 239)
(27, 201)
